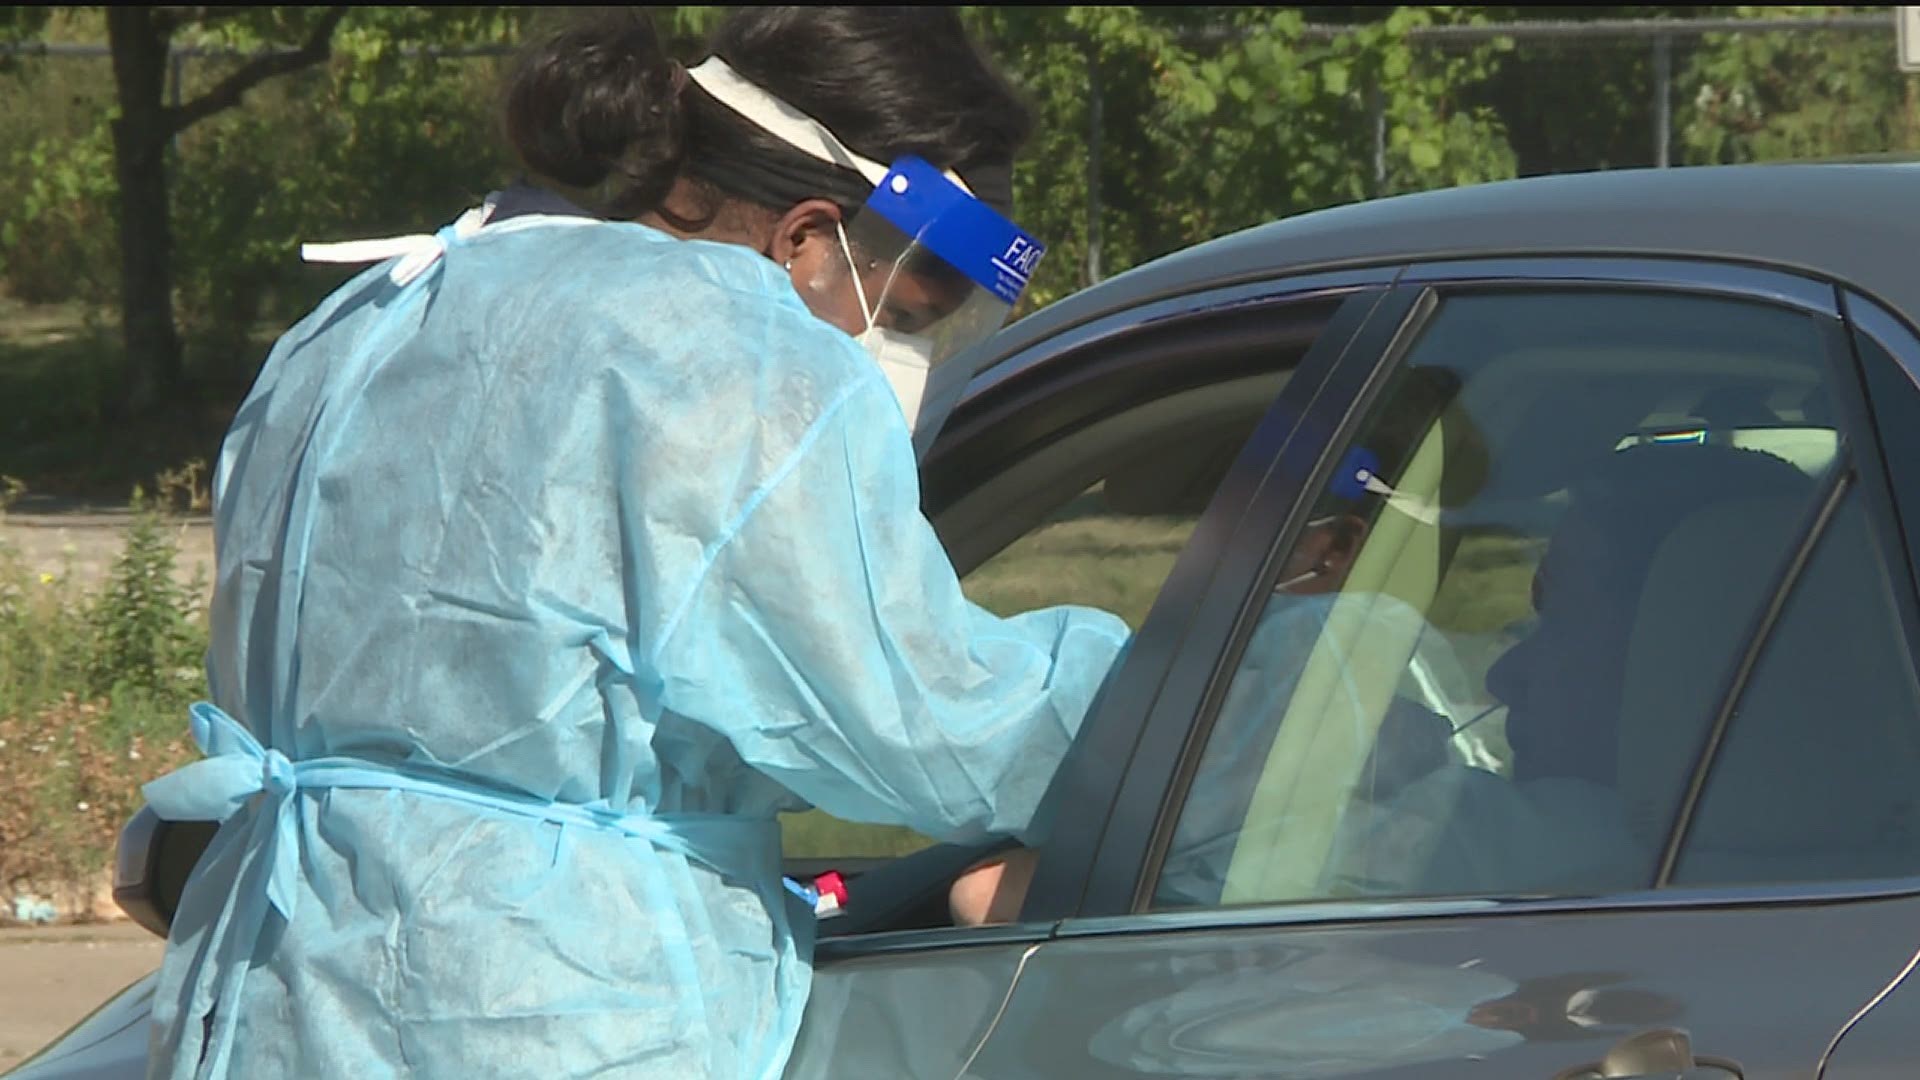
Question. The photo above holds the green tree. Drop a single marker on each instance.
(22, 24)
(1160, 127)
(1787, 95)
(1579, 104)
(141, 39)
(144, 127)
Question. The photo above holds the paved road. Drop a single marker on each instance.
(51, 978)
(51, 537)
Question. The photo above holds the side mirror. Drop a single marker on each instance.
(152, 862)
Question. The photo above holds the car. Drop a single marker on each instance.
(1524, 684)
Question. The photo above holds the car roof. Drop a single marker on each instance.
(1849, 222)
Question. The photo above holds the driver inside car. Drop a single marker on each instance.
(1558, 823)
(1306, 598)
(1442, 826)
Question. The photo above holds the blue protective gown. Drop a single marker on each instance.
(545, 580)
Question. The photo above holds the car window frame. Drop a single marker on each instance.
(1869, 319)
(1124, 906)
(1866, 476)
(990, 399)
(1087, 786)
(1286, 457)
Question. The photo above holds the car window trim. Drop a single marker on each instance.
(1089, 781)
(1889, 331)
(1765, 285)
(1312, 915)
(1672, 274)
(1865, 317)
(834, 950)
(1206, 302)
(1832, 491)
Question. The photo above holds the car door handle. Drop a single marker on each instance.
(1659, 1054)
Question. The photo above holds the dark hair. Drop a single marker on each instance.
(595, 102)
(600, 105)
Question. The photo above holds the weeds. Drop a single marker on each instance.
(145, 630)
(93, 695)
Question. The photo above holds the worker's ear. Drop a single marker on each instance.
(804, 234)
(806, 242)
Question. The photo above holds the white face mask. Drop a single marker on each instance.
(927, 391)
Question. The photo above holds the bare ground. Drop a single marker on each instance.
(50, 978)
(53, 538)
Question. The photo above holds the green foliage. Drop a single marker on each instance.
(375, 144)
(1217, 118)
(1573, 105)
(139, 635)
(387, 137)
(146, 631)
(94, 685)
(58, 241)
(1763, 97)
(1212, 118)
(23, 23)
(43, 628)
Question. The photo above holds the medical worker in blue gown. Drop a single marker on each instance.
(559, 553)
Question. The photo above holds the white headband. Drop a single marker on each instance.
(786, 123)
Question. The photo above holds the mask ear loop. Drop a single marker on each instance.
(853, 268)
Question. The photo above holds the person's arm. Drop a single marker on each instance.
(991, 891)
(828, 640)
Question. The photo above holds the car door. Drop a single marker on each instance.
(1100, 469)
(1879, 1043)
(1552, 713)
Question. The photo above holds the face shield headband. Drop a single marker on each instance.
(949, 267)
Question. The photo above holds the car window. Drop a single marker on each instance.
(1445, 694)
(1088, 552)
(1814, 778)
(1111, 509)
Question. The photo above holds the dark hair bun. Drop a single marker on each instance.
(597, 101)
(888, 81)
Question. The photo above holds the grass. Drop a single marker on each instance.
(93, 686)
(59, 376)
(1113, 563)
(1489, 584)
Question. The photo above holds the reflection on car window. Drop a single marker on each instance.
(1489, 659)
(1110, 545)
(1815, 778)
(1088, 553)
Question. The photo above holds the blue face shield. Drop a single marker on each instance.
(949, 268)
(952, 268)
